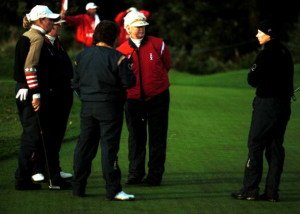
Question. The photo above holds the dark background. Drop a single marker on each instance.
(205, 36)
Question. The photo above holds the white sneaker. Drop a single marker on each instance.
(123, 196)
(38, 177)
(65, 175)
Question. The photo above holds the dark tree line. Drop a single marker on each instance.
(205, 36)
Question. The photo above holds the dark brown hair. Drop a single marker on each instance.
(106, 31)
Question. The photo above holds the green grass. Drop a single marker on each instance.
(208, 128)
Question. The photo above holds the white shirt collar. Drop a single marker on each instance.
(38, 28)
(51, 38)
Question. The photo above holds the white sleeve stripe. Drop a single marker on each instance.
(31, 81)
(32, 85)
(162, 48)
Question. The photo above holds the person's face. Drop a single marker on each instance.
(92, 12)
(136, 32)
(55, 30)
(262, 37)
(46, 24)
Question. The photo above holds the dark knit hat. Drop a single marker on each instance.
(268, 27)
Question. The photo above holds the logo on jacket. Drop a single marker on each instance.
(151, 56)
(253, 67)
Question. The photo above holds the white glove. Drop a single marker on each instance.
(22, 94)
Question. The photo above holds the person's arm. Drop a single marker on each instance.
(30, 69)
(75, 80)
(74, 20)
(119, 19)
(166, 56)
(125, 73)
(256, 72)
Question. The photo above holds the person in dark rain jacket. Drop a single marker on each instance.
(272, 76)
(101, 78)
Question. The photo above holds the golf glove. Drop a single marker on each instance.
(22, 94)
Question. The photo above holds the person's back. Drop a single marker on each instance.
(101, 77)
(104, 69)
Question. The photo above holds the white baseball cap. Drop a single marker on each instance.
(135, 19)
(90, 5)
(41, 11)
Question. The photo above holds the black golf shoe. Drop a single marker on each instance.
(60, 183)
(271, 198)
(246, 195)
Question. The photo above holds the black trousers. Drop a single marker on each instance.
(101, 122)
(147, 118)
(54, 114)
(269, 120)
(30, 152)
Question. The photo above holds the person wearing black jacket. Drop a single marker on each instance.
(272, 76)
(28, 92)
(57, 99)
(101, 78)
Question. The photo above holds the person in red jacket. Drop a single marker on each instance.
(147, 105)
(119, 19)
(85, 24)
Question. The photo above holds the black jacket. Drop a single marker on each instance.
(100, 75)
(55, 68)
(272, 72)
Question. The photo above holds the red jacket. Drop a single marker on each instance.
(85, 25)
(152, 62)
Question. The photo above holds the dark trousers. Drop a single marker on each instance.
(100, 122)
(147, 118)
(54, 115)
(30, 146)
(269, 120)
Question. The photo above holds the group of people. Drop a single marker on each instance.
(111, 78)
(106, 80)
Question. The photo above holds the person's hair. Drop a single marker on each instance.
(106, 31)
(26, 23)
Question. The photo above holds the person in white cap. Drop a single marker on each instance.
(85, 24)
(119, 19)
(147, 104)
(28, 96)
(56, 75)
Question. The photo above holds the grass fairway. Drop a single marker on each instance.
(209, 123)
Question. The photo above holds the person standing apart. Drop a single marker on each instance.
(147, 105)
(55, 81)
(101, 77)
(85, 24)
(272, 76)
(26, 74)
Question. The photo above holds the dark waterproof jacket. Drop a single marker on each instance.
(272, 72)
(102, 74)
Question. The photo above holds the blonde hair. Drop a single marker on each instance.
(26, 23)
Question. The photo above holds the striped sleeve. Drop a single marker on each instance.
(32, 59)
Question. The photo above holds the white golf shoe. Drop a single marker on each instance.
(38, 177)
(65, 175)
(123, 196)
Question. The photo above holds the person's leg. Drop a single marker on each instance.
(259, 137)
(158, 111)
(136, 120)
(275, 153)
(85, 150)
(29, 153)
(59, 120)
(109, 141)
